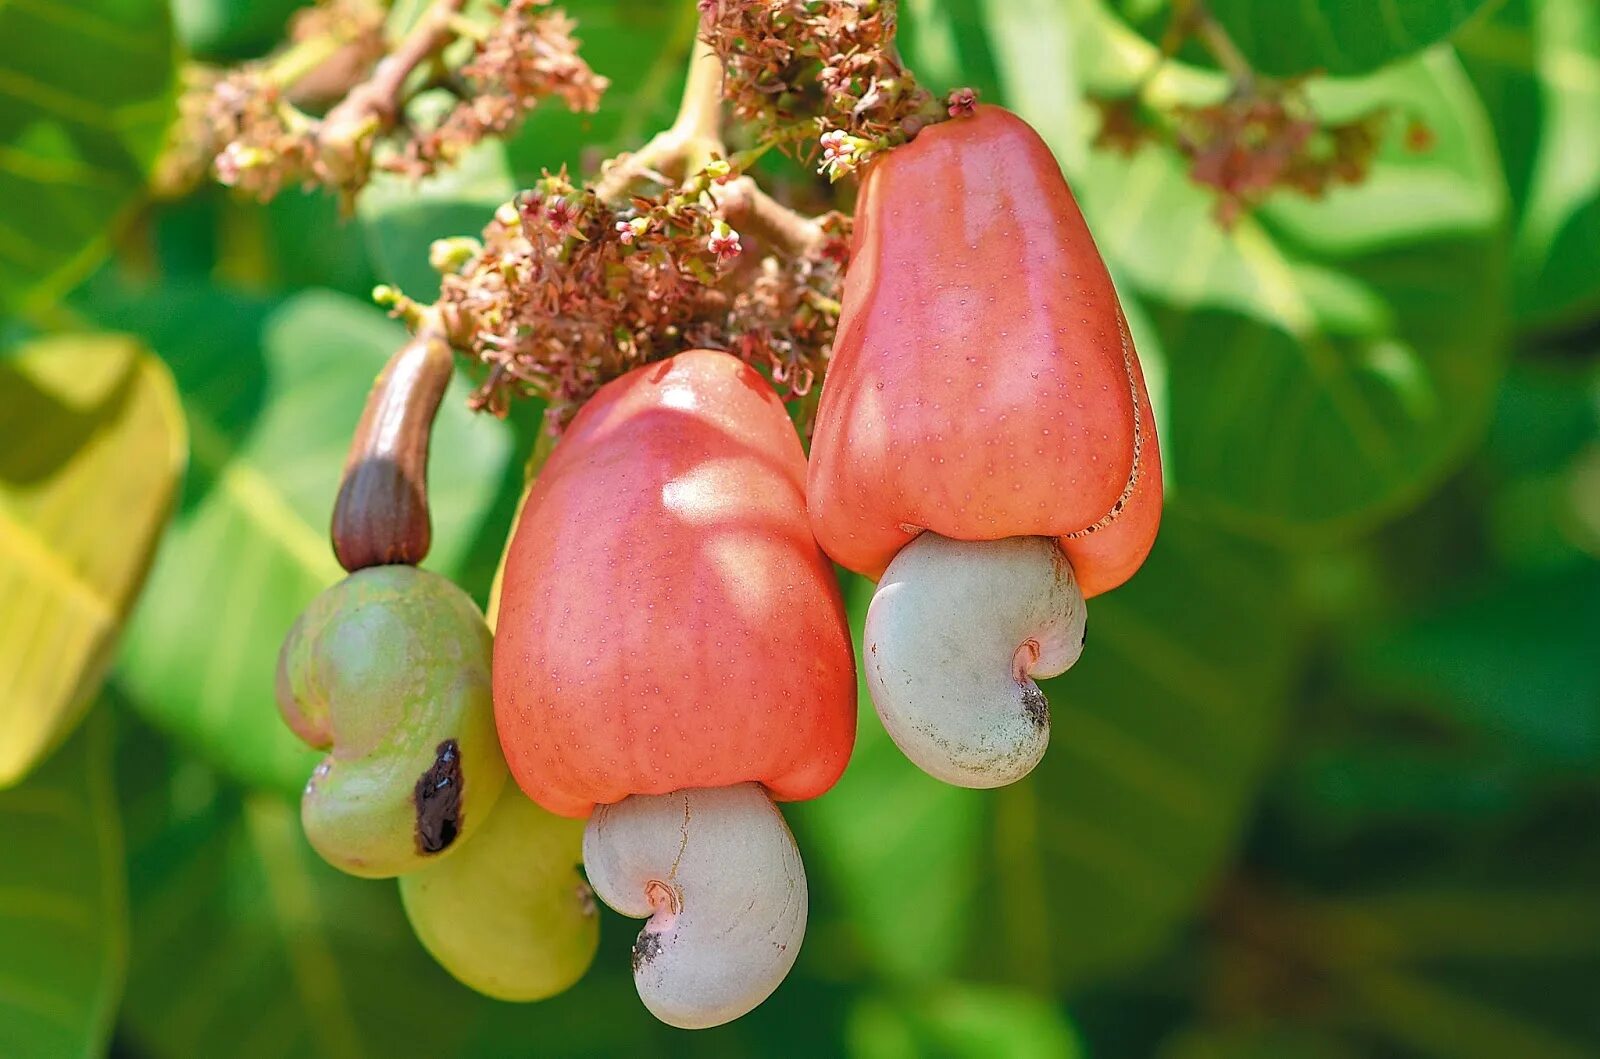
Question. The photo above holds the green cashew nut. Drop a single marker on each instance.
(509, 916)
(389, 670)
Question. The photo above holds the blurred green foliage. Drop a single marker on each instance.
(1324, 785)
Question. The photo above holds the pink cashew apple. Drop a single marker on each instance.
(671, 647)
(984, 446)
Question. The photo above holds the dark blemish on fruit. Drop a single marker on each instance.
(438, 800)
(645, 949)
(1036, 706)
(1085, 638)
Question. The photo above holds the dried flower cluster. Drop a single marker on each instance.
(566, 292)
(1263, 137)
(247, 123)
(530, 55)
(797, 68)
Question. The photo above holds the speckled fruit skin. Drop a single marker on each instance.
(666, 619)
(983, 382)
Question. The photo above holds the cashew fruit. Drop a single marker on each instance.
(672, 648)
(389, 670)
(983, 381)
(509, 914)
(666, 619)
(984, 445)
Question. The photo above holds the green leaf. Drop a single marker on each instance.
(1286, 37)
(1290, 38)
(1439, 948)
(246, 944)
(902, 851)
(1321, 338)
(1489, 952)
(1537, 68)
(301, 240)
(1544, 442)
(63, 903)
(401, 218)
(1341, 786)
(643, 47)
(1498, 53)
(86, 92)
(899, 849)
(962, 1022)
(1515, 663)
(1159, 738)
(946, 42)
(1547, 414)
(222, 30)
(272, 399)
(1257, 1042)
(1556, 275)
(1434, 1019)
(94, 450)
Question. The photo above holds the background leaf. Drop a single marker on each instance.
(1312, 332)
(1337, 37)
(63, 903)
(1555, 278)
(271, 410)
(74, 147)
(1537, 68)
(1345, 37)
(643, 47)
(220, 30)
(1517, 663)
(1159, 737)
(95, 449)
(400, 215)
(962, 1022)
(901, 849)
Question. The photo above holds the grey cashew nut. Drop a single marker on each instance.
(717, 874)
(955, 635)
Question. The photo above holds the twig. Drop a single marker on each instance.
(378, 97)
(304, 56)
(752, 211)
(1216, 40)
(693, 139)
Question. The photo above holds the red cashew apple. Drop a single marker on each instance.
(672, 647)
(984, 446)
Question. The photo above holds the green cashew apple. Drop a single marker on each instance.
(510, 915)
(389, 671)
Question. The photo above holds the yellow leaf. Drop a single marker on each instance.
(92, 447)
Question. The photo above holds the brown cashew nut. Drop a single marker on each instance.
(381, 514)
